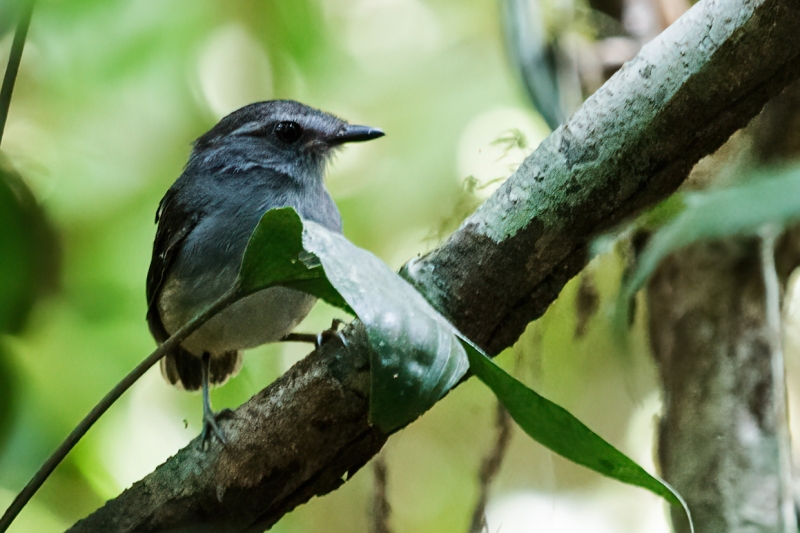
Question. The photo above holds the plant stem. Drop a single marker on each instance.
(14, 59)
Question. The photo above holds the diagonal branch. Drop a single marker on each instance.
(629, 146)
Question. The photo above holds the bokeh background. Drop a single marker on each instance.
(110, 95)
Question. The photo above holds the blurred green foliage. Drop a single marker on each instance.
(9, 14)
(770, 197)
(109, 97)
(7, 386)
(28, 269)
(29, 262)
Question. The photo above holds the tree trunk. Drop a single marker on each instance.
(718, 440)
(723, 437)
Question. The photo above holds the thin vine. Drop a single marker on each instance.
(14, 59)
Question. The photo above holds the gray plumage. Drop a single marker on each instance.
(262, 156)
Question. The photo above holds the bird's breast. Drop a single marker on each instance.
(263, 317)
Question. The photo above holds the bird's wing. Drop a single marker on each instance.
(175, 222)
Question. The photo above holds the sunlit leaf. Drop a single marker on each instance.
(554, 427)
(415, 357)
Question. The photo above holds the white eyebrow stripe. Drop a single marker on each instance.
(248, 128)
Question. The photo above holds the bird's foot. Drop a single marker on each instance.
(330, 333)
(320, 338)
(211, 428)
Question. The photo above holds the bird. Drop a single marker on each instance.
(262, 156)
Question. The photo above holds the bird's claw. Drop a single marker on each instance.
(331, 332)
(211, 428)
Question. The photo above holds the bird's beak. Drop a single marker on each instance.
(351, 134)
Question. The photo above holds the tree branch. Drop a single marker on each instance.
(629, 146)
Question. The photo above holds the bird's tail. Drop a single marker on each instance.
(185, 370)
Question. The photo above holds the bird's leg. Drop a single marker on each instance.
(310, 338)
(209, 418)
(319, 338)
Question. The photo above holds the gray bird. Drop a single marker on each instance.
(262, 156)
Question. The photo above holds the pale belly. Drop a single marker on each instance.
(266, 316)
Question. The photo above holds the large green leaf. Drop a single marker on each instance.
(17, 282)
(275, 256)
(417, 355)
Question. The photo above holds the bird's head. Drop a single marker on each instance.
(281, 135)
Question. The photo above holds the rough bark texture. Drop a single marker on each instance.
(717, 440)
(629, 146)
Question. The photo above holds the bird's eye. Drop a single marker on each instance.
(288, 132)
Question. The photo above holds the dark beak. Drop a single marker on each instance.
(354, 134)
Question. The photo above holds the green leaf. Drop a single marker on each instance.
(416, 354)
(415, 358)
(554, 427)
(661, 213)
(770, 199)
(275, 256)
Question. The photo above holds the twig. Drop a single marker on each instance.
(14, 59)
(113, 395)
(380, 502)
(773, 314)
(490, 467)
